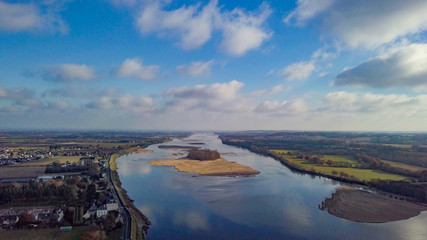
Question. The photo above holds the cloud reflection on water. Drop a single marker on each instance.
(191, 219)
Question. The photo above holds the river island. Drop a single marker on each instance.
(206, 162)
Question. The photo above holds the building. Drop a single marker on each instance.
(112, 205)
(101, 212)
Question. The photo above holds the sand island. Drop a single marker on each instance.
(206, 162)
(366, 207)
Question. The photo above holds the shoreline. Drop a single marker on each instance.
(217, 167)
(139, 222)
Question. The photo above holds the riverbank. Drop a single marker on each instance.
(139, 222)
(366, 207)
(218, 167)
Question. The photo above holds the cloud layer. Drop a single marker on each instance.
(363, 23)
(398, 67)
(19, 17)
(68, 73)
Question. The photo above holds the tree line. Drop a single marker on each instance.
(203, 154)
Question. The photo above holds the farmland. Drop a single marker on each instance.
(359, 174)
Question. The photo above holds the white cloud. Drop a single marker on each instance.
(242, 31)
(194, 24)
(298, 71)
(270, 73)
(18, 17)
(127, 103)
(196, 69)
(291, 107)
(402, 66)
(69, 73)
(364, 23)
(133, 68)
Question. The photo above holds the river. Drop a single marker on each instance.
(276, 204)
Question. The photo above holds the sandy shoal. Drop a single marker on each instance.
(143, 150)
(362, 206)
(218, 167)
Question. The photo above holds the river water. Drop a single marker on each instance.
(276, 204)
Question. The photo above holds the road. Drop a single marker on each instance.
(127, 220)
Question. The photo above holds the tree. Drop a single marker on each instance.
(25, 218)
(329, 162)
(203, 154)
(91, 192)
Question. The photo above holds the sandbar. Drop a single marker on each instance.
(143, 150)
(218, 167)
(366, 207)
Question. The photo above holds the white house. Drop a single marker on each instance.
(101, 212)
(112, 205)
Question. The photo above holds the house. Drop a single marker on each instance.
(112, 205)
(101, 212)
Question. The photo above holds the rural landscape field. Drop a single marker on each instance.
(213, 119)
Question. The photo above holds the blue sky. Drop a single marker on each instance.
(214, 65)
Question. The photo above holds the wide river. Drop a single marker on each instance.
(276, 204)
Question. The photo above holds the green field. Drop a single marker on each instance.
(60, 159)
(360, 174)
(341, 159)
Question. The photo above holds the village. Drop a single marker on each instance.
(66, 195)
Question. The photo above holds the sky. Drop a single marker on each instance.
(330, 65)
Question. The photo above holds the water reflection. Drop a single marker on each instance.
(191, 219)
(276, 204)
